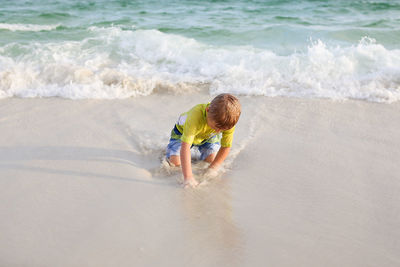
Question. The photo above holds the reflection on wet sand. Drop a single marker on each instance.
(210, 225)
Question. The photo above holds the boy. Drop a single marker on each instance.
(209, 127)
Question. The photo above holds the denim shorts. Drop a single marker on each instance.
(206, 149)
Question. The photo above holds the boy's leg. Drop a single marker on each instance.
(173, 152)
(174, 160)
(210, 158)
(209, 151)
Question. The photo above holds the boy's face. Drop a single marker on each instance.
(212, 125)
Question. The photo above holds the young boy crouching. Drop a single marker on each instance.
(209, 127)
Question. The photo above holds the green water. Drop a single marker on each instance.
(276, 25)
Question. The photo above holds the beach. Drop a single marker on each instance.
(309, 182)
(89, 94)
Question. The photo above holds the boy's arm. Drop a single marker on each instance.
(187, 165)
(220, 157)
(226, 143)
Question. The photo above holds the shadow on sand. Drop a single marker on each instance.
(16, 158)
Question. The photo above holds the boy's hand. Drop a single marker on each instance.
(210, 173)
(190, 182)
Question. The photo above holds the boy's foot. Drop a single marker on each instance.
(168, 167)
(169, 162)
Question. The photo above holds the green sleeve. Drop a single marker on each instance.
(190, 128)
(227, 137)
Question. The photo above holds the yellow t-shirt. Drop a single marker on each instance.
(195, 130)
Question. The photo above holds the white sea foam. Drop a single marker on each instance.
(27, 27)
(118, 63)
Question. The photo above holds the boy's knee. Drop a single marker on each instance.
(174, 161)
(210, 158)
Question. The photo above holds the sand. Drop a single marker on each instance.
(308, 183)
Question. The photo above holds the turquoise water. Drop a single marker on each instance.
(118, 49)
(276, 25)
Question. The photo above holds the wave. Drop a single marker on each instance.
(119, 63)
(28, 27)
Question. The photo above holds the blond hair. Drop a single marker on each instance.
(225, 111)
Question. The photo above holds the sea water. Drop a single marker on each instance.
(119, 49)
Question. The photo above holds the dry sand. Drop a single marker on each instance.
(308, 183)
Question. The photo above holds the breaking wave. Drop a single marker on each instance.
(116, 63)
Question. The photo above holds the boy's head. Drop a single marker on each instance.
(223, 112)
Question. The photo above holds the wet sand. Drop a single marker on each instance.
(308, 183)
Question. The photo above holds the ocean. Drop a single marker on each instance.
(89, 94)
(120, 49)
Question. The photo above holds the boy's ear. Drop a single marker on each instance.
(207, 108)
